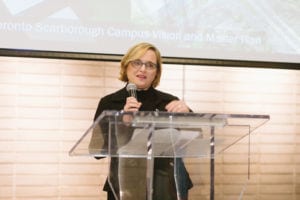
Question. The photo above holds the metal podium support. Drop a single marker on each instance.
(212, 163)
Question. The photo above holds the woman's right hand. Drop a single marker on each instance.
(132, 104)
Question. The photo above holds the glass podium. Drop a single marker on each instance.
(136, 139)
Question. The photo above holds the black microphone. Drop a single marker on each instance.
(131, 89)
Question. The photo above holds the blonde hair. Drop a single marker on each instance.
(136, 52)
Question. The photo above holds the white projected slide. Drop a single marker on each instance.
(255, 30)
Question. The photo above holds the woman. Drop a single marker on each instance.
(142, 66)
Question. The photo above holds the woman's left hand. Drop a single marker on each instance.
(177, 106)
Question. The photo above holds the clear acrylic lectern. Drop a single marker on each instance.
(136, 139)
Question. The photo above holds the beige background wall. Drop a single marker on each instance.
(47, 104)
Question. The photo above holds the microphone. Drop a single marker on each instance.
(131, 89)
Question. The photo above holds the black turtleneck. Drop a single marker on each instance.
(151, 100)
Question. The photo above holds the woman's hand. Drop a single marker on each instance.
(177, 106)
(132, 104)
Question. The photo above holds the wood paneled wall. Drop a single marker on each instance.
(47, 104)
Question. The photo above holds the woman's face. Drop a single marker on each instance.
(142, 71)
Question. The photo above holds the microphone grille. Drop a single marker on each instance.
(130, 86)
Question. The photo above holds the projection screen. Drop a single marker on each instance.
(251, 30)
